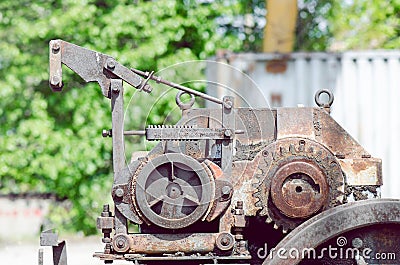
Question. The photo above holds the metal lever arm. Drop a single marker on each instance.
(92, 66)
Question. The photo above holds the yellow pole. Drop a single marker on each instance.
(279, 33)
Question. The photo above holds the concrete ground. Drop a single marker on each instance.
(79, 252)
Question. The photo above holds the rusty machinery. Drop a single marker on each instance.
(223, 183)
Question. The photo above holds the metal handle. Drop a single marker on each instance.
(318, 101)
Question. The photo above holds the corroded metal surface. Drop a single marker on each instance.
(172, 243)
(299, 189)
(216, 171)
(291, 161)
(335, 222)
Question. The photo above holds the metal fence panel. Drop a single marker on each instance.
(366, 85)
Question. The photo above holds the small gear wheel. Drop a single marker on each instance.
(297, 178)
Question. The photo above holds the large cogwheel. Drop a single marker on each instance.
(296, 179)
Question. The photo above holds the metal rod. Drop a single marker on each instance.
(177, 86)
(143, 133)
(134, 132)
(40, 261)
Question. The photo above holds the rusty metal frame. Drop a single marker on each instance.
(240, 150)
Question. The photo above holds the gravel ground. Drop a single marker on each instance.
(79, 252)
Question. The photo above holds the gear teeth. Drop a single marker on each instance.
(302, 146)
(264, 212)
(292, 150)
(282, 150)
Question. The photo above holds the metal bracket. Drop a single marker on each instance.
(49, 238)
(92, 66)
(228, 123)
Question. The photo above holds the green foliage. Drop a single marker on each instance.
(51, 142)
(312, 30)
(362, 24)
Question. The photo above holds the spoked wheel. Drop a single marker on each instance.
(173, 191)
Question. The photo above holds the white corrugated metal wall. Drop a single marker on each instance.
(366, 86)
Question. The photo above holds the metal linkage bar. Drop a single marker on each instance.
(177, 86)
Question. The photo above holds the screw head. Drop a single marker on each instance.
(120, 243)
(147, 88)
(55, 47)
(110, 64)
(228, 133)
(104, 133)
(55, 80)
(119, 192)
(115, 90)
(228, 103)
(357, 242)
(226, 191)
(224, 241)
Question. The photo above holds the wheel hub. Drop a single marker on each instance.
(299, 189)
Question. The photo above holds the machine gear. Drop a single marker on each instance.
(297, 178)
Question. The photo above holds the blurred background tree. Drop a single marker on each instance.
(51, 143)
(362, 24)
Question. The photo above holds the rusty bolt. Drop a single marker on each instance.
(120, 243)
(110, 64)
(106, 240)
(106, 133)
(119, 192)
(224, 241)
(55, 47)
(147, 88)
(228, 133)
(357, 242)
(226, 191)
(106, 210)
(228, 103)
(55, 80)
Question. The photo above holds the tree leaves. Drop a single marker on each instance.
(362, 24)
(51, 142)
